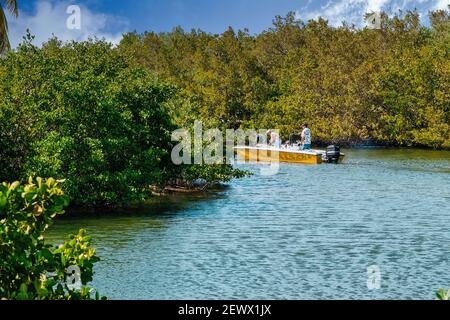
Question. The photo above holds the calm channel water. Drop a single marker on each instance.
(309, 232)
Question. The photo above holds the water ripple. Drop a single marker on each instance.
(309, 232)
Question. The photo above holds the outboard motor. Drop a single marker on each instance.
(333, 154)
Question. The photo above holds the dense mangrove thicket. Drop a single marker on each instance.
(79, 111)
(388, 86)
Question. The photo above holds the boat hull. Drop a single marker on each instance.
(255, 154)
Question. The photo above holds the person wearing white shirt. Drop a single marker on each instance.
(306, 137)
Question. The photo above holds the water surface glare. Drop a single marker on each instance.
(309, 232)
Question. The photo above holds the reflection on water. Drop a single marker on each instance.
(309, 232)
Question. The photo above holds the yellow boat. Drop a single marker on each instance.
(289, 154)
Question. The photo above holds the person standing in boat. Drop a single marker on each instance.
(274, 138)
(306, 137)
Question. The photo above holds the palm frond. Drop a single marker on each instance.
(4, 41)
(12, 7)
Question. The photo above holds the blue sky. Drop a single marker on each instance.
(110, 18)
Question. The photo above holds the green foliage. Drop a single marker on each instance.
(30, 268)
(212, 174)
(82, 112)
(390, 86)
(443, 295)
(79, 112)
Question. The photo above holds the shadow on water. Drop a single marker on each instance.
(155, 214)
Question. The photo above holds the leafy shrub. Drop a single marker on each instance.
(81, 112)
(77, 111)
(30, 268)
(211, 174)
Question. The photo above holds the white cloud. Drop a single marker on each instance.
(441, 4)
(353, 11)
(49, 18)
(350, 11)
(375, 5)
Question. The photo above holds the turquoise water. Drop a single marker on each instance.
(308, 232)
